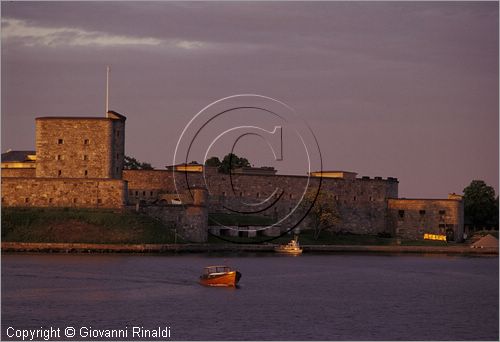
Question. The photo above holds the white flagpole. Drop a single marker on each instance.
(107, 90)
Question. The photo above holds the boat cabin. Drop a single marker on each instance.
(216, 269)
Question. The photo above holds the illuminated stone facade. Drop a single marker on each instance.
(79, 163)
(362, 202)
(69, 147)
(412, 218)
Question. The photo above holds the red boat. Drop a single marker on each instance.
(219, 276)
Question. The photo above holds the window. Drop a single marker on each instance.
(258, 195)
(144, 193)
(60, 141)
(223, 193)
(59, 157)
(26, 200)
(74, 200)
(290, 196)
(336, 198)
(86, 173)
(151, 193)
(85, 157)
(354, 198)
(241, 194)
(371, 198)
(59, 172)
(137, 193)
(422, 212)
(441, 215)
(86, 141)
(401, 214)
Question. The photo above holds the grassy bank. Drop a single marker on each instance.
(307, 238)
(226, 219)
(105, 226)
(82, 226)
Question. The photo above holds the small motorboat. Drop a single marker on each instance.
(291, 248)
(220, 276)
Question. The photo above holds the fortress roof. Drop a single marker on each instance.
(334, 174)
(110, 115)
(17, 156)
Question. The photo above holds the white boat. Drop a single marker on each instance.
(292, 248)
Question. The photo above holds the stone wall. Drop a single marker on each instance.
(190, 220)
(77, 147)
(149, 179)
(64, 192)
(117, 148)
(412, 218)
(362, 202)
(21, 172)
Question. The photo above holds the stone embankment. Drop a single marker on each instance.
(204, 248)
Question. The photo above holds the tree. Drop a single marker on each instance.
(130, 163)
(213, 161)
(324, 215)
(230, 162)
(480, 205)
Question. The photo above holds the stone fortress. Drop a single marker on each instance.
(79, 161)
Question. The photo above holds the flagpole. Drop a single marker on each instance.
(107, 90)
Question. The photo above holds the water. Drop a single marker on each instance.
(311, 297)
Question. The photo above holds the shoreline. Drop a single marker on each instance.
(32, 247)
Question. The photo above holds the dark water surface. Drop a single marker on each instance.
(311, 297)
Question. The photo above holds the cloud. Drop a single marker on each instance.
(32, 35)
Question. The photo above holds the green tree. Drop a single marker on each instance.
(324, 215)
(232, 161)
(213, 161)
(480, 205)
(130, 163)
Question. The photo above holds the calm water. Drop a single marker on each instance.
(311, 297)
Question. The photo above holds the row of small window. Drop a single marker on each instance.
(401, 213)
(61, 141)
(61, 157)
(291, 196)
(256, 195)
(355, 198)
(137, 193)
(85, 172)
(60, 173)
(85, 157)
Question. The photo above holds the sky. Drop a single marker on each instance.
(391, 89)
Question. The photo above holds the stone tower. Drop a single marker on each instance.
(195, 225)
(80, 147)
